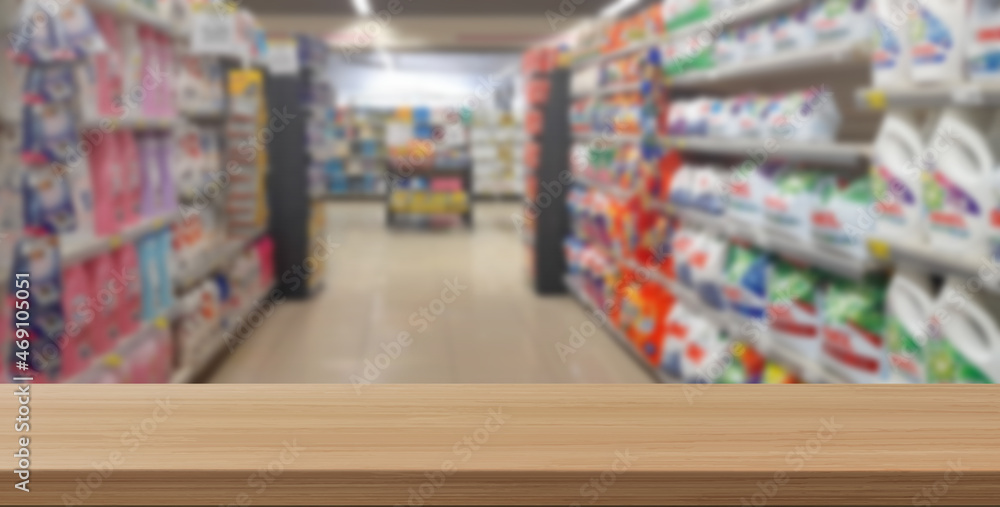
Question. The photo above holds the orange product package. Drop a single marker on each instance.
(669, 165)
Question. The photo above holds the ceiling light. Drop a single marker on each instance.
(362, 7)
(617, 8)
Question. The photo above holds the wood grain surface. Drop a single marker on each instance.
(508, 445)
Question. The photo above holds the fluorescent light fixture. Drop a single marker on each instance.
(617, 8)
(362, 6)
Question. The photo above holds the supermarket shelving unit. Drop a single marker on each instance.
(844, 68)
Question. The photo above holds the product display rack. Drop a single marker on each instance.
(424, 204)
(429, 175)
(146, 352)
(860, 266)
(357, 174)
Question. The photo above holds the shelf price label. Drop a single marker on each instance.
(880, 250)
(875, 99)
(213, 32)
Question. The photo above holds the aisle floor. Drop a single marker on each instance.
(377, 282)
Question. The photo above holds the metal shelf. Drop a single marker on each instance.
(130, 123)
(84, 250)
(654, 372)
(971, 94)
(215, 347)
(926, 258)
(607, 188)
(736, 15)
(130, 10)
(832, 154)
(814, 254)
(613, 55)
(825, 56)
(611, 89)
(213, 261)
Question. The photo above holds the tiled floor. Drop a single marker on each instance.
(377, 282)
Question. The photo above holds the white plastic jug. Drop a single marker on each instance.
(967, 348)
(958, 193)
(983, 51)
(897, 175)
(909, 304)
(891, 54)
(937, 41)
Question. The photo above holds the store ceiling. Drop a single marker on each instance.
(425, 7)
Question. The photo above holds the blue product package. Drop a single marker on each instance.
(79, 31)
(421, 115)
(48, 202)
(48, 84)
(164, 248)
(746, 281)
(149, 275)
(50, 134)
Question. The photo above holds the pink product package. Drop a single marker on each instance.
(75, 343)
(129, 312)
(167, 191)
(446, 185)
(132, 176)
(168, 107)
(155, 74)
(105, 174)
(265, 253)
(105, 290)
(149, 171)
(108, 65)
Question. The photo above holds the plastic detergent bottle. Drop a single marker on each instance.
(937, 40)
(965, 347)
(909, 304)
(958, 193)
(891, 54)
(897, 173)
(983, 51)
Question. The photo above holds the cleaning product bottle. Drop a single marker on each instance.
(983, 52)
(897, 174)
(937, 40)
(891, 54)
(909, 304)
(958, 194)
(965, 347)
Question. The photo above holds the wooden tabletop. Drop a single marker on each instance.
(508, 445)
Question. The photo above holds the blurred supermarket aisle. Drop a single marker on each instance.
(494, 330)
